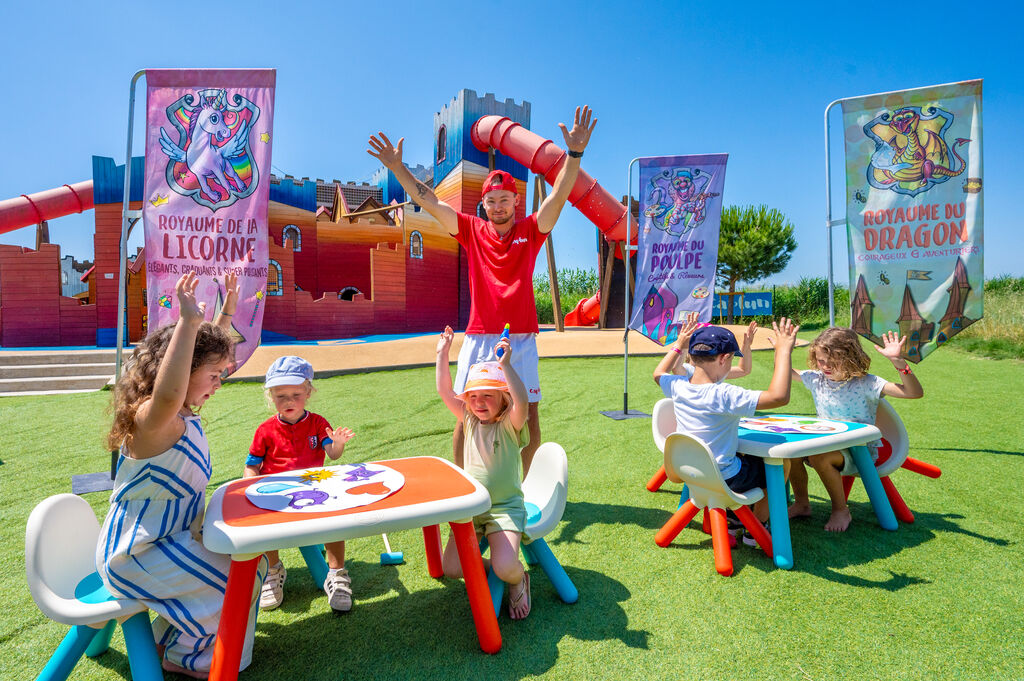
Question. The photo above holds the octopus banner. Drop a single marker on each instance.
(680, 213)
(207, 189)
(914, 213)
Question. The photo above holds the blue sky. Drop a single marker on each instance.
(751, 80)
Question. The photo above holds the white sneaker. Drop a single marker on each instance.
(272, 592)
(338, 587)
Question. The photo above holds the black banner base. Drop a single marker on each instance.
(623, 415)
(91, 482)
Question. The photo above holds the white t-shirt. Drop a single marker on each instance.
(855, 399)
(711, 412)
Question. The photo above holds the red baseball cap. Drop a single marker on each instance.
(499, 180)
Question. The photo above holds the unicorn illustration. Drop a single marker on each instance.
(211, 147)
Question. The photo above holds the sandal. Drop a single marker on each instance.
(516, 600)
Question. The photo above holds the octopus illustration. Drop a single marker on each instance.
(674, 201)
(911, 154)
(659, 308)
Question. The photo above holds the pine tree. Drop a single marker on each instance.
(753, 243)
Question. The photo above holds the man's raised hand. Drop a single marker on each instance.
(578, 138)
(382, 150)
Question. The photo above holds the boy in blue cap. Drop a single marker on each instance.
(710, 410)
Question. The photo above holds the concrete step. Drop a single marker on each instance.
(57, 356)
(53, 383)
(49, 370)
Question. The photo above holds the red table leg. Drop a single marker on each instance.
(234, 618)
(476, 587)
(432, 543)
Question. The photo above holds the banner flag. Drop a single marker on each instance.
(914, 213)
(680, 213)
(207, 190)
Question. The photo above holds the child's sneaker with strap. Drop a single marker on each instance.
(338, 588)
(272, 592)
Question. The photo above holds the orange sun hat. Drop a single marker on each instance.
(485, 376)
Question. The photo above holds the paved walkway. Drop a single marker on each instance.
(333, 358)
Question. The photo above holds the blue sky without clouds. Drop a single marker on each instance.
(749, 79)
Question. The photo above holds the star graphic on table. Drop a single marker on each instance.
(317, 475)
(359, 472)
(264, 137)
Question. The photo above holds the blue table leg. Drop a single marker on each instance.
(553, 569)
(778, 514)
(314, 557)
(873, 486)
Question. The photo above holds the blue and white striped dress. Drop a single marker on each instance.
(146, 550)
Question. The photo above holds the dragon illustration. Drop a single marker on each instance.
(911, 154)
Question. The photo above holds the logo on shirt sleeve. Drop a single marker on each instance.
(314, 441)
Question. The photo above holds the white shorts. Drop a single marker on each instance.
(480, 348)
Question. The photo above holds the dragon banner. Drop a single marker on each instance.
(680, 212)
(207, 188)
(914, 213)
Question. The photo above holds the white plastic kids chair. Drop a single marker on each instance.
(663, 424)
(892, 456)
(60, 550)
(688, 460)
(545, 489)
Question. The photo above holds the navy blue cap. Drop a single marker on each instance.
(718, 339)
(288, 370)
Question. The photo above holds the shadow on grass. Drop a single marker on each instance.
(581, 514)
(973, 451)
(429, 634)
(826, 555)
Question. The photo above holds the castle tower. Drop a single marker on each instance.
(861, 309)
(954, 320)
(913, 326)
(459, 167)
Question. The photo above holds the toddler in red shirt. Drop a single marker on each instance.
(293, 439)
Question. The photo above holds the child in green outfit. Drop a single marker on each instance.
(493, 410)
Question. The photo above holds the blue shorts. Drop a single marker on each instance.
(751, 474)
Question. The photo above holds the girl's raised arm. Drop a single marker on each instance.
(910, 388)
(172, 377)
(443, 374)
(520, 405)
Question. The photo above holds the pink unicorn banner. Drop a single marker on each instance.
(207, 189)
(680, 214)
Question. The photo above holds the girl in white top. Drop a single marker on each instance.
(843, 390)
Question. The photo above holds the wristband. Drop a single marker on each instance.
(576, 154)
(905, 370)
(225, 314)
(676, 350)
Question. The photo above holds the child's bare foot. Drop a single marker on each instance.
(177, 669)
(839, 520)
(800, 510)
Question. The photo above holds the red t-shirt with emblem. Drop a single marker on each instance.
(290, 446)
(501, 274)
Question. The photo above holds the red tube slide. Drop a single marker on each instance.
(31, 209)
(586, 313)
(545, 158)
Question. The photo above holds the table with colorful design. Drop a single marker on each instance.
(308, 507)
(775, 437)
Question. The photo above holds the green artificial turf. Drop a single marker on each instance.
(939, 599)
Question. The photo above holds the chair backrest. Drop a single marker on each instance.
(546, 486)
(60, 550)
(689, 460)
(663, 422)
(895, 433)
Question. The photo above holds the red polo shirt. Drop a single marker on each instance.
(290, 446)
(501, 274)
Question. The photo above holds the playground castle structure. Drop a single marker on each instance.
(345, 259)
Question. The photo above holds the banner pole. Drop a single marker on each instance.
(828, 214)
(625, 283)
(121, 293)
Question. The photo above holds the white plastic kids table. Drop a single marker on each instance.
(434, 492)
(775, 437)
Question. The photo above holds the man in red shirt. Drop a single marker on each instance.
(501, 254)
